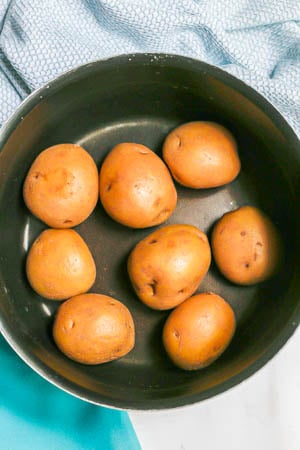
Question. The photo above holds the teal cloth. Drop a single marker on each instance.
(35, 415)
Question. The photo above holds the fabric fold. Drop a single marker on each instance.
(34, 414)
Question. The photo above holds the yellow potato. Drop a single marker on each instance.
(246, 246)
(136, 188)
(61, 187)
(94, 329)
(167, 266)
(198, 331)
(202, 155)
(59, 264)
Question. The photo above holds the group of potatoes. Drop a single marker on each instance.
(166, 268)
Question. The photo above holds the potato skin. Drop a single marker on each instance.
(167, 266)
(246, 246)
(94, 329)
(198, 331)
(202, 155)
(60, 265)
(136, 188)
(61, 187)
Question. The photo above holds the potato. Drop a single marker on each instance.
(201, 155)
(246, 246)
(61, 187)
(59, 264)
(167, 266)
(94, 329)
(136, 188)
(198, 331)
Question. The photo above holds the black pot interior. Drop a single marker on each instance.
(140, 99)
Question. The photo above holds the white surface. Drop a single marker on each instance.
(261, 413)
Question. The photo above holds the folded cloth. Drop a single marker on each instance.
(258, 42)
(35, 415)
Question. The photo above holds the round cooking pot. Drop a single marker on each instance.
(140, 98)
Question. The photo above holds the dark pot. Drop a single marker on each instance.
(139, 98)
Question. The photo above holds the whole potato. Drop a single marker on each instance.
(167, 266)
(246, 246)
(202, 155)
(198, 331)
(136, 188)
(59, 264)
(61, 187)
(94, 329)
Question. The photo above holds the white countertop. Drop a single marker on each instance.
(261, 413)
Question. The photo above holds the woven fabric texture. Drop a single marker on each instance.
(258, 42)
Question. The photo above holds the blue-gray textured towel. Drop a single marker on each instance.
(257, 41)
